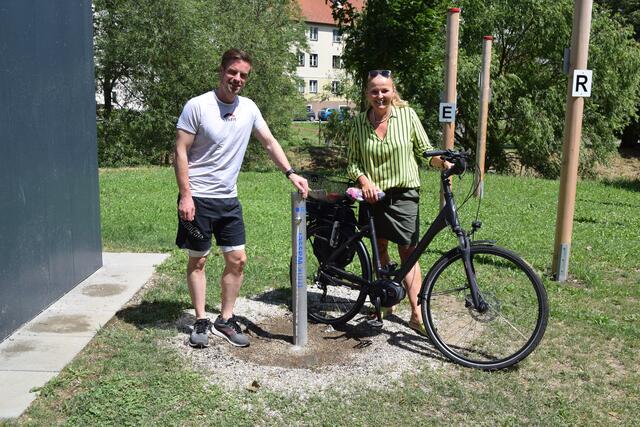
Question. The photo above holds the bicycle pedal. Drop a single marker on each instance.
(389, 269)
(374, 323)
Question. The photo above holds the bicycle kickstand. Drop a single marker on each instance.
(377, 322)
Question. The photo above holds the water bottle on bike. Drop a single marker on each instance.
(356, 194)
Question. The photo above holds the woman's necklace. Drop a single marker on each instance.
(377, 122)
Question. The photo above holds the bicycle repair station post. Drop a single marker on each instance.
(299, 268)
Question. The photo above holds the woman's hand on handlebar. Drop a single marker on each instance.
(369, 191)
(440, 163)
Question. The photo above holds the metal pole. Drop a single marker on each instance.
(485, 77)
(299, 268)
(571, 140)
(448, 104)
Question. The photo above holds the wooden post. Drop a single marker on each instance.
(450, 74)
(448, 106)
(571, 138)
(485, 77)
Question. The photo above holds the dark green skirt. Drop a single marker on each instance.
(396, 217)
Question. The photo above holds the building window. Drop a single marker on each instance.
(301, 85)
(313, 60)
(335, 87)
(337, 61)
(300, 59)
(313, 33)
(337, 37)
(313, 86)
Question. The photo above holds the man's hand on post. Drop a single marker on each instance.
(300, 183)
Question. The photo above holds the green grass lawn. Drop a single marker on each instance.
(585, 371)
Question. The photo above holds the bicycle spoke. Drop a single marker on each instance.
(336, 299)
(497, 337)
(512, 326)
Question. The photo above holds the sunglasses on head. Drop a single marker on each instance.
(384, 73)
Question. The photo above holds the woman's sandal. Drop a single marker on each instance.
(418, 327)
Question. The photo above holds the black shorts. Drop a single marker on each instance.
(220, 217)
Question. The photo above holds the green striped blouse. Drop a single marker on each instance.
(389, 162)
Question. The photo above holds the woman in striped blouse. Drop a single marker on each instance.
(384, 145)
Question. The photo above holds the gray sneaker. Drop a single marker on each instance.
(230, 330)
(200, 334)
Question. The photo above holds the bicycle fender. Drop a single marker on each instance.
(484, 242)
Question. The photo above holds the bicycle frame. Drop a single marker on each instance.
(490, 330)
(446, 216)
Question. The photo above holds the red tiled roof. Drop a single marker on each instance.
(319, 12)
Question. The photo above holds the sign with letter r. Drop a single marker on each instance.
(581, 83)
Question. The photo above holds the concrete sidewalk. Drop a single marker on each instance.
(39, 350)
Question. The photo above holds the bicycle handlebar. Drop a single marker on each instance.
(447, 154)
(458, 158)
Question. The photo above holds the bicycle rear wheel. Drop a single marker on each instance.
(332, 299)
(505, 333)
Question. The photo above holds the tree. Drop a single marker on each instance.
(528, 85)
(160, 53)
(390, 34)
(629, 11)
(272, 31)
(157, 54)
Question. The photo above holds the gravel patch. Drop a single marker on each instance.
(337, 359)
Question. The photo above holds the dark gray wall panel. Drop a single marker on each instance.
(49, 199)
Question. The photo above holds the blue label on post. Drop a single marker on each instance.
(300, 261)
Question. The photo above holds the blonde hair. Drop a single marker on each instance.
(396, 101)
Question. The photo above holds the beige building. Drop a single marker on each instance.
(321, 67)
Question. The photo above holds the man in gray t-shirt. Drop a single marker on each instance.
(212, 136)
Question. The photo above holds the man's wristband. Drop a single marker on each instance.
(289, 172)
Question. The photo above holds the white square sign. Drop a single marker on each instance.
(447, 112)
(581, 83)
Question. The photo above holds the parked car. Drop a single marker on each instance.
(342, 113)
(309, 115)
(322, 114)
(345, 112)
(326, 112)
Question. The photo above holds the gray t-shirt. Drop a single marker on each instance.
(222, 132)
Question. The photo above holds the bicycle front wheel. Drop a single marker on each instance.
(331, 298)
(507, 330)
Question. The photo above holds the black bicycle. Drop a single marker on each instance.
(483, 306)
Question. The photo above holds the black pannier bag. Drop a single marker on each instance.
(339, 221)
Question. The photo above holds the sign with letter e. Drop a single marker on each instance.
(581, 83)
(447, 112)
